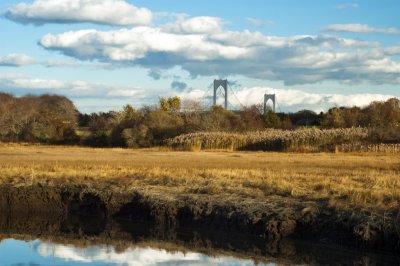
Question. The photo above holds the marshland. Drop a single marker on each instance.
(147, 133)
(273, 195)
(266, 178)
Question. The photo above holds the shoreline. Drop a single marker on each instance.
(276, 220)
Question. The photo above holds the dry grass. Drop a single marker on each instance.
(366, 180)
(307, 139)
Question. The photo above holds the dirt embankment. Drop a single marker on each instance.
(274, 220)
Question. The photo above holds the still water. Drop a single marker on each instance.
(16, 252)
(76, 241)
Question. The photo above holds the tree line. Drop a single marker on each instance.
(55, 119)
(45, 118)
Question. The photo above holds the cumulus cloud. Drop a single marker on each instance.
(90, 97)
(294, 100)
(347, 6)
(201, 25)
(76, 88)
(15, 60)
(201, 46)
(183, 24)
(290, 100)
(360, 28)
(110, 12)
(137, 43)
(394, 50)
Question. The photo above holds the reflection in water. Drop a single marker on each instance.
(46, 253)
(87, 241)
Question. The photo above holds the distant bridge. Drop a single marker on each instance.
(222, 88)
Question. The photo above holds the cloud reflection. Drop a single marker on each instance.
(132, 256)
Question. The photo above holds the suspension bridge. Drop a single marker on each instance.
(222, 90)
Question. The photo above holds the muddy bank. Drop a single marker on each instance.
(272, 221)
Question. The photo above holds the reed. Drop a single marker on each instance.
(311, 139)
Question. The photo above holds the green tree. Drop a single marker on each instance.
(163, 104)
(172, 104)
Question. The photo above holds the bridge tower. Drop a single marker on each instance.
(224, 84)
(268, 97)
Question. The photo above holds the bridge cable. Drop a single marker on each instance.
(279, 107)
(234, 94)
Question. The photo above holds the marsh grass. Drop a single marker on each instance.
(366, 180)
(300, 140)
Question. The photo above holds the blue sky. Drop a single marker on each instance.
(107, 53)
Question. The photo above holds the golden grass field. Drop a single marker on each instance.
(359, 180)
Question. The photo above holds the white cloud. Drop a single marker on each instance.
(110, 12)
(202, 25)
(123, 92)
(136, 43)
(294, 59)
(360, 28)
(394, 50)
(290, 100)
(90, 97)
(192, 94)
(294, 100)
(74, 89)
(347, 5)
(183, 24)
(16, 60)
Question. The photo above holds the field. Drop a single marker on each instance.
(362, 181)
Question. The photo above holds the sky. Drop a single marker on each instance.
(103, 54)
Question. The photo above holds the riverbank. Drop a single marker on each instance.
(350, 199)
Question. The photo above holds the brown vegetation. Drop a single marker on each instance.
(45, 118)
(54, 119)
(311, 139)
(355, 196)
(358, 180)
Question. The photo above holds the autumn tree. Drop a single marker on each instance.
(251, 119)
(219, 119)
(333, 118)
(172, 104)
(192, 112)
(47, 118)
(271, 120)
(7, 103)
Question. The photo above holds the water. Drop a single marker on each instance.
(17, 252)
(44, 241)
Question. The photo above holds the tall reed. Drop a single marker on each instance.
(312, 139)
